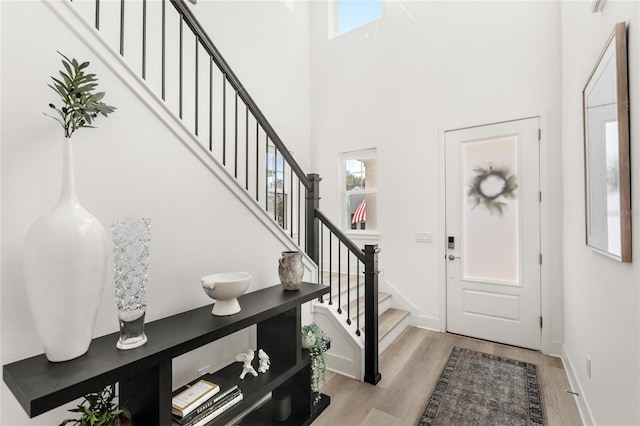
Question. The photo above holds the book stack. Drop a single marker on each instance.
(202, 400)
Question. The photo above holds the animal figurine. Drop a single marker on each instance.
(264, 361)
(246, 358)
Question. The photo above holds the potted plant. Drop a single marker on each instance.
(99, 409)
(317, 342)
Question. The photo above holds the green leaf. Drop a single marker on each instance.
(86, 88)
(67, 67)
(67, 79)
(60, 83)
(84, 65)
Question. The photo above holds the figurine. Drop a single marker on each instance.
(246, 358)
(264, 361)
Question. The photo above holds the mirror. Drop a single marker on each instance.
(606, 147)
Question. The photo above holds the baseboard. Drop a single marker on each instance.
(552, 349)
(428, 323)
(583, 406)
(341, 365)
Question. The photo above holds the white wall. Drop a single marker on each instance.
(266, 43)
(132, 165)
(602, 306)
(397, 83)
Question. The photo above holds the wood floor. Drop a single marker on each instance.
(410, 369)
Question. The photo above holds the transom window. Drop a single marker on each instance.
(347, 15)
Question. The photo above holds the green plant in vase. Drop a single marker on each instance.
(81, 104)
(316, 341)
(100, 409)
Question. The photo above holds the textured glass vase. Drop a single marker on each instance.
(131, 238)
(65, 266)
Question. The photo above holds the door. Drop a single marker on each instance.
(493, 232)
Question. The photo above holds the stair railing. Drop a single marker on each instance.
(243, 140)
(365, 260)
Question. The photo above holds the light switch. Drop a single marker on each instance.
(424, 237)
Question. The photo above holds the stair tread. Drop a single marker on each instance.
(389, 319)
(382, 296)
(343, 278)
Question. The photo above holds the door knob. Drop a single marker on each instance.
(452, 257)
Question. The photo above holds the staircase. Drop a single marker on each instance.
(236, 141)
(391, 321)
(348, 303)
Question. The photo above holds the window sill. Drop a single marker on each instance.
(363, 235)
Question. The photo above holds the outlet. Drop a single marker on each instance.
(424, 237)
(588, 367)
(202, 371)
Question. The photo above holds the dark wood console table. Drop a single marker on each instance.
(144, 373)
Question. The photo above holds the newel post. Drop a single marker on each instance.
(312, 225)
(371, 373)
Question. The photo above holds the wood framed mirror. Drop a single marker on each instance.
(606, 148)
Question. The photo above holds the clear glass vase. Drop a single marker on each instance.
(131, 238)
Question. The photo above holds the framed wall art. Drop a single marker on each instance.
(606, 148)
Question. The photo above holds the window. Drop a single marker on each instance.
(277, 197)
(359, 183)
(347, 15)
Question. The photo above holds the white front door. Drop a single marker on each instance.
(493, 232)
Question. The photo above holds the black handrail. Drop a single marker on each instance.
(340, 235)
(208, 45)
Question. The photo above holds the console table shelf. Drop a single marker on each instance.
(144, 373)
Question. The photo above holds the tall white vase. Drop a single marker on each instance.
(65, 265)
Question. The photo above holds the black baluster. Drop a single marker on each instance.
(196, 87)
(164, 47)
(144, 39)
(121, 27)
(257, 161)
(246, 147)
(235, 137)
(224, 119)
(358, 297)
(339, 277)
(210, 104)
(348, 287)
(97, 14)
(180, 74)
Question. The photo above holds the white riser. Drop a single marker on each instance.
(393, 335)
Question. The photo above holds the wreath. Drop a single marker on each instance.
(489, 185)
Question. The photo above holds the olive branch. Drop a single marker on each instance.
(77, 91)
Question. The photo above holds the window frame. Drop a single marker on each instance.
(333, 20)
(344, 157)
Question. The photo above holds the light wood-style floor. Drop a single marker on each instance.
(410, 369)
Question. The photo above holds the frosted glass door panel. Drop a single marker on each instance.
(490, 210)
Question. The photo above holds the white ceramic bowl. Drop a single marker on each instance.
(225, 288)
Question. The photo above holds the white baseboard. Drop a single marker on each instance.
(552, 349)
(341, 365)
(583, 405)
(428, 323)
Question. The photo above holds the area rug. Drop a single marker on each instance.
(476, 388)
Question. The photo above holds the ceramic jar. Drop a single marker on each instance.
(290, 270)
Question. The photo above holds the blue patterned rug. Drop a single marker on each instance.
(476, 388)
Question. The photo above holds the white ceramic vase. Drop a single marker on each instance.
(65, 265)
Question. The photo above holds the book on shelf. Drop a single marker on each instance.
(225, 388)
(213, 411)
(191, 396)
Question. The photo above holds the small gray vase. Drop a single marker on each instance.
(290, 270)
